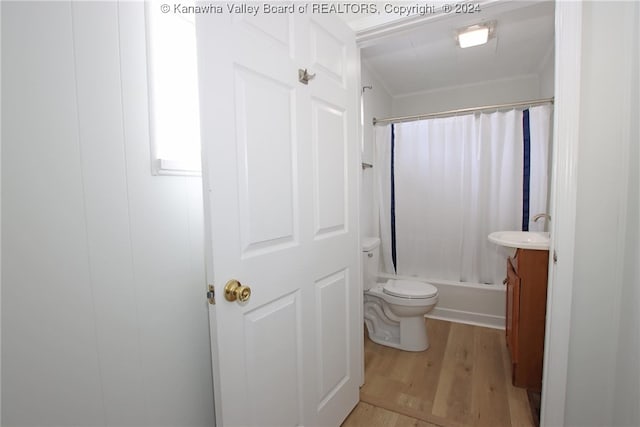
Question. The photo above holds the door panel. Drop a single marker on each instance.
(280, 170)
(328, 52)
(274, 359)
(332, 318)
(334, 101)
(268, 200)
(329, 146)
(273, 28)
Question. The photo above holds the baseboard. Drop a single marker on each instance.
(467, 317)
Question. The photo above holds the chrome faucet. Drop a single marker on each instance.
(541, 215)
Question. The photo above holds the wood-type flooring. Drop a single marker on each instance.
(463, 379)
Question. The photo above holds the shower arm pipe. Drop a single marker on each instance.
(462, 111)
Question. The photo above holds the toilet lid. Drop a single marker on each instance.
(409, 289)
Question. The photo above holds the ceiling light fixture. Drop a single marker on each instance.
(475, 35)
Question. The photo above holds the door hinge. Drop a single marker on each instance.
(211, 295)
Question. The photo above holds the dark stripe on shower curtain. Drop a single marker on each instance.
(526, 171)
(393, 198)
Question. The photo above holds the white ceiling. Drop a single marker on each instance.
(427, 58)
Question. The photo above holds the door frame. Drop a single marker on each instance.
(563, 187)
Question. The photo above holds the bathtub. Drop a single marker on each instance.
(471, 303)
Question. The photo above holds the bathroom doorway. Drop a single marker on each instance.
(421, 70)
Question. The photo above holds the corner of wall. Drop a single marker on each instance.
(376, 103)
(546, 74)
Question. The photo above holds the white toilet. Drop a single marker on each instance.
(394, 311)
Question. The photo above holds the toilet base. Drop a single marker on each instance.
(407, 333)
(413, 334)
(399, 346)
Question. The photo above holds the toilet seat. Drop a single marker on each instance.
(409, 289)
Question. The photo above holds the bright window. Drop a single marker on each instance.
(173, 92)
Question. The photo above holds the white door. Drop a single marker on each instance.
(280, 173)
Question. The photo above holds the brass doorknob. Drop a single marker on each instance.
(234, 290)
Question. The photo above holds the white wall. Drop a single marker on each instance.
(626, 410)
(603, 382)
(104, 320)
(523, 88)
(377, 103)
(547, 75)
(0, 222)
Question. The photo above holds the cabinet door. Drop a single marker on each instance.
(513, 311)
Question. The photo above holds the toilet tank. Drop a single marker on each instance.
(370, 261)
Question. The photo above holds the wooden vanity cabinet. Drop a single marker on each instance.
(525, 315)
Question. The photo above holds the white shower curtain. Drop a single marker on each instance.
(540, 131)
(382, 149)
(458, 179)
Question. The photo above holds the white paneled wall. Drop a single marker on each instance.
(104, 320)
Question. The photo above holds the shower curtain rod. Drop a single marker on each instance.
(462, 110)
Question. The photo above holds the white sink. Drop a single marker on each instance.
(521, 239)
